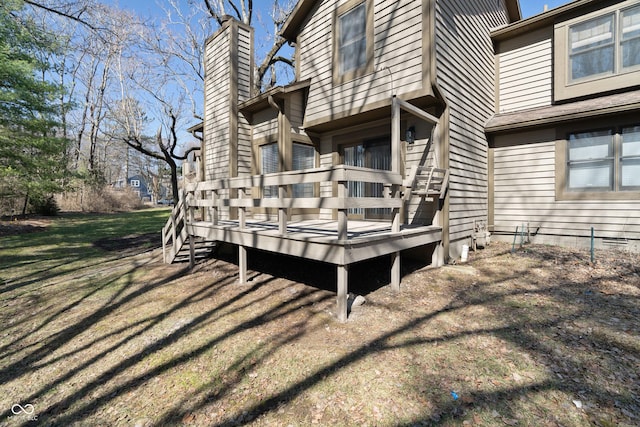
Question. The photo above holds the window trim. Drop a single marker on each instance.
(564, 88)
(368, 67)
(562, 163)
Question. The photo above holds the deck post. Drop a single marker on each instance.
(192, 251)
(395, 135)
(395, 271)
(214, 207)
(282, 211)
(242, 215)
(242, 264)
(343, 230)
(341, 303)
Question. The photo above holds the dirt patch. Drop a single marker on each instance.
(130, 245)
(21, 226)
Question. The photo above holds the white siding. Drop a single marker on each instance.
(466, 69)
(524, 193)
(397, 46)
(525, 72)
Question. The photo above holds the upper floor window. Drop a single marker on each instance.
(352, 45)
(135, 183)
(353, 40)
(598, 52)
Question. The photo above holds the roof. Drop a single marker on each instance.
(549, 17)
(554, 114)
(300, 12)
(261, 101)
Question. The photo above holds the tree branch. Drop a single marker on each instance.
(61, 13)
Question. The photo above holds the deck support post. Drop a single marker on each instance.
(343, 292)
(242, 217)
(242, 264)
(282, 211)
(395, 271)
(214, 207)
(343, 230)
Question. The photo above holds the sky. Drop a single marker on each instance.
(534, 7)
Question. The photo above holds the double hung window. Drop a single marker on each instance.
(304, 157)
(605, 45)
(353, 40)
(599, 52)
(269, 159)
(605, 160)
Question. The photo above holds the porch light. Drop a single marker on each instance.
(410, 136)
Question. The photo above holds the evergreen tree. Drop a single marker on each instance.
(31, 154)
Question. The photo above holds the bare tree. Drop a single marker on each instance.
(244, 12)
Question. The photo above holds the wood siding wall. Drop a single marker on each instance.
(217, 105)
(466, 74)
(525, 71)
(244, 88)
(524, 193)
(397, 58)
(228, 81)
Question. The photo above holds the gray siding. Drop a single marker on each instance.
(525, 71)
(465, 72)
(524, 193)
(397, 46)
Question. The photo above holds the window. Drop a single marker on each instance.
(630, 38)
(605, 160)
(592, 48)
(135, 183)
(630, 158)
(304, 157)
(591, 161)
(352, 45)
(269, 164)
(598, 52)
(353, 40)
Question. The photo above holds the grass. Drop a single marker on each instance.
(94, 335)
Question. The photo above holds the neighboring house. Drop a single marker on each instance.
(380, 144)
(565, 143)
(139, 186)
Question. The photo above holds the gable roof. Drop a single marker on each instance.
(298, 15)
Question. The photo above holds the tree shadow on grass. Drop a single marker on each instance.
(522, 329)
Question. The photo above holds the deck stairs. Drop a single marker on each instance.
(176, 241)
(426, 181)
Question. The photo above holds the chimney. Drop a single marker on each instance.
(228, 81)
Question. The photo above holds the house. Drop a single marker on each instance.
(403, 129)
(564, 144)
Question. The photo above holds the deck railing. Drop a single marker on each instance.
(238, 193)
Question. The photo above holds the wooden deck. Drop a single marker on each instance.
(341, 242)
(318, 240)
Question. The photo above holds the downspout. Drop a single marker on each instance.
(442, 126)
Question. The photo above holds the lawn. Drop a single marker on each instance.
(97, 331)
